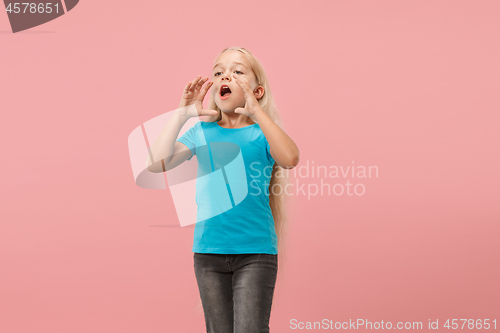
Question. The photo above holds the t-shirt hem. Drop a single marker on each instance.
(232, 251)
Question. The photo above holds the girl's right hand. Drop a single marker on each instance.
(193, 95)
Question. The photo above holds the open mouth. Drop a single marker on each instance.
(225, 92)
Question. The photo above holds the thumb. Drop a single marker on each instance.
(208, 112)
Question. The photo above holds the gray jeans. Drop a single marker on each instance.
(236, 290)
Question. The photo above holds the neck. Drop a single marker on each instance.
(236, 120)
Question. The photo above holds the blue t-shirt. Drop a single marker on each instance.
(232, 189)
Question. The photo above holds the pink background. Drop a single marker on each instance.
(411, 87)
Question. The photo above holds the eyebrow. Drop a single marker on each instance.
(219, 64)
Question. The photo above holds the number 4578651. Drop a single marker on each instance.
(33, 7)
(471, 324)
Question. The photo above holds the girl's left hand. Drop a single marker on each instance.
(251, 103)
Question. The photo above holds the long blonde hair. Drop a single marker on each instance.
(278, 198)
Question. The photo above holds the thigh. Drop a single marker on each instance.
(253, 288)
(215, 286)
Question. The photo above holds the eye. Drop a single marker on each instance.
(216, 74)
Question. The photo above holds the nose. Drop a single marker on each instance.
(226, 76)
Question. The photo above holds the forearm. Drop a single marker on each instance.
(285, 151)
(163, 146)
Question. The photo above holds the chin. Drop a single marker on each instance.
(226, 108)
(229, 107)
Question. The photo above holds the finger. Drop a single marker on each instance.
(242, 83)
(192, 85)
(200, 83)
(204, 90)
(239, 77)
(206, 87)
(187, 87)
(205, 112)
(195, 82)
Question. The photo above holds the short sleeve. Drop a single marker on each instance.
(189, 138)
(268, 151)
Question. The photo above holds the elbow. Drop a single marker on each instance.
(151, 166)
(157, 167)
(294, 161)
(151, 169)
(291, 162)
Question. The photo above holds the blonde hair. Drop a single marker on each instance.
(278, 199)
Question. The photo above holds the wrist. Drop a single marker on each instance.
(185, 112)
(258, 114)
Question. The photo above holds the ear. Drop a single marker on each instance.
(258, 92)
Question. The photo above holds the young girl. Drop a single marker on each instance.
(235, 252)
